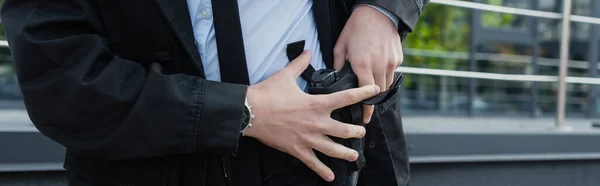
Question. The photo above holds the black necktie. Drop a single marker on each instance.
(230, 42)
(243, 169)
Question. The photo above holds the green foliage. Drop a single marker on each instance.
(441, 28)
(494, 19)
(446, 28)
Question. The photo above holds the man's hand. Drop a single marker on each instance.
(294, 122)
(372, 45)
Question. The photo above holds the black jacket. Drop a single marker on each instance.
(120, 84)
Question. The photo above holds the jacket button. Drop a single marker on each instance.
(372, 144)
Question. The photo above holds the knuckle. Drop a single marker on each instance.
(392, 64)
(320, 127)
(350, 97)
(297, 150)
(400, 59)
(346, 132)
(313, 124)
(334, 153)
(311, 141)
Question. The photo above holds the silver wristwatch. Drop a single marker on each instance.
(246, 118)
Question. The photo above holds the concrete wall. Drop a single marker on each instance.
(542, 173)
(55, 178)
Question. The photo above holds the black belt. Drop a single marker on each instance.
(326, 81)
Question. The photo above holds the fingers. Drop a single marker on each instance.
(348, 97)
(365, 77)
(393, 64)
(300, 63)
(333, 149)
(380, 80)
(311, 161)
(367, 113)
(343, 130)
(389, 79)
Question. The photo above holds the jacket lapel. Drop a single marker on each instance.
(177, 14)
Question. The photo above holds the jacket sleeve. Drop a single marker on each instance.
(407, 10)
(80, 94)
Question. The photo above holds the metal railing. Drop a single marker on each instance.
(564, 52)
(511, 58)
(519, 11)
(564, 60)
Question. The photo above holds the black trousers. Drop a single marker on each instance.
(78, 180)
(309, 178)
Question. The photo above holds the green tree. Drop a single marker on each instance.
(446, 28)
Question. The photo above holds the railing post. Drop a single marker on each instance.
(564, 59)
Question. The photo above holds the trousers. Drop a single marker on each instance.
(78, 180)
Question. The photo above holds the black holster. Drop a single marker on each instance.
(326, 81)
(351, 114)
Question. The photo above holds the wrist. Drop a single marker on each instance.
(375, 15)
(391, 16)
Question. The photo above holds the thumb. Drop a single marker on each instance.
(298, 65)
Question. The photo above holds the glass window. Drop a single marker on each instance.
(582, 7)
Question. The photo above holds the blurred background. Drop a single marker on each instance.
(450, 36)
(480, 102)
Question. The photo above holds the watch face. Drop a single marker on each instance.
(245, 117)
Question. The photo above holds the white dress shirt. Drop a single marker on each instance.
(267, 27)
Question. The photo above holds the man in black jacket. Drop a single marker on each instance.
(123, 85)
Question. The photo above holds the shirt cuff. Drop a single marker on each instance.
(389, 14)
